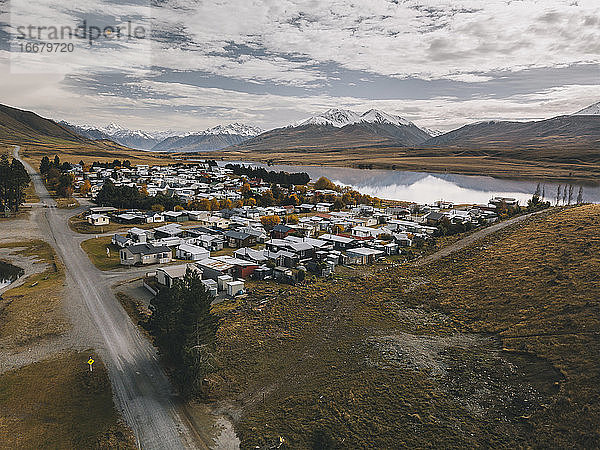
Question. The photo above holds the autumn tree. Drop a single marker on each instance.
(85, 188)
(269, 222)
(324, 183)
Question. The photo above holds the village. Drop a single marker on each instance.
(234, 239)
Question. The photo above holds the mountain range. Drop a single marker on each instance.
(335, 130)
(215, 138)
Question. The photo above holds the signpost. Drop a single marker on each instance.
(90, 362)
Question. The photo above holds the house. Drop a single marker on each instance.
(191, 252)
(305, 207)
(154, 217)
(213, 268)
(166, 276)
(235, 288)
(98, 219)
(237, 239)
(168, 230)
(175, 216)
(211, 242)
(280, 231)
(241, 267)
(249, 254)
(323, 207)
(145, 254)
(339, 242)
(362, 255)
(137, 235)
(121, 241)
(365, 232)
(283, 275)
(433, 218)
(211, 286)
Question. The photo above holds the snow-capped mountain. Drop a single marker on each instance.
(339, 118)
(214, 138)
(432, 132)
(169, 140)
(342, 128)
(593, 110)
(238, 129)
(334, 117)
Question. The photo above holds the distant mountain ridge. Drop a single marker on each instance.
(214, 138)
(340, 128)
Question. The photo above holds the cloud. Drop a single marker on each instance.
(272, 62)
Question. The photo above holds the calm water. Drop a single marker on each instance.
(8, 274)
(424, 187)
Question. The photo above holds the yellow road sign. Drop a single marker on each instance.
(90, 361)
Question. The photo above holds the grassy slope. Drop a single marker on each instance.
(415, 356)
(58, 403)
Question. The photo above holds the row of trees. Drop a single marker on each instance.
(57, 176)
(283, 178)
(13, 181)
(130, 197)
(185, 330)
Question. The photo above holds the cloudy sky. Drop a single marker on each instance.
(196, 64)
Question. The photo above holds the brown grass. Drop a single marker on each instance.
(33, 311)
(59, 403)
(96, 251)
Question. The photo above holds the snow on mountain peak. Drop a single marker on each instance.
(341, 117)
(377, 116)
(234, 128)
(333, 117)
(593, 110)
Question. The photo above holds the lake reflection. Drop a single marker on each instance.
(423, 187)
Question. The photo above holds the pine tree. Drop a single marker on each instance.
(557, 195)
(580, 196)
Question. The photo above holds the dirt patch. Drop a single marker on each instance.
(488, 381)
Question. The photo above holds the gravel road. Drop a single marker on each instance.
(470, 239)
(142, 391)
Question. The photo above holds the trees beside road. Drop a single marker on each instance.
(13, 181)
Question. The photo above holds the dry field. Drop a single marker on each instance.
(496, 346)
(59, 403)
(33, 311)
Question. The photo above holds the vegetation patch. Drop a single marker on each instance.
(96, 251)
(33, 310)
(59, 403)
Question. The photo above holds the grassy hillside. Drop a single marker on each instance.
(496, 346)
(41, 137)
(24, 126)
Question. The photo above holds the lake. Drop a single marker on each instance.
(424, 187)
(8, 274)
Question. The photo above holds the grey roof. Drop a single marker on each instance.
(148, 249)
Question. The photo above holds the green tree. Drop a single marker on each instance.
(185, 330)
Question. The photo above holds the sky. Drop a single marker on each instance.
(187, 65)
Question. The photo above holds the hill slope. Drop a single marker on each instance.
(18, 126)
(570, 131)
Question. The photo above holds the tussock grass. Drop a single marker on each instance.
(59, 403)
